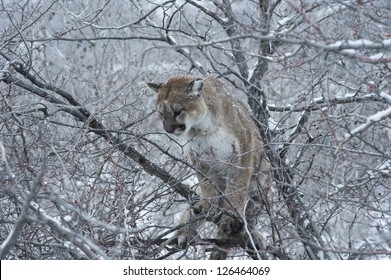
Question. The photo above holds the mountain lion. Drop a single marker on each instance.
(225, 148)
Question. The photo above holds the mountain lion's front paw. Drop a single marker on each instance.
(229, 224)
(201, 207)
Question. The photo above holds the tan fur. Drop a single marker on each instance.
(224, 145)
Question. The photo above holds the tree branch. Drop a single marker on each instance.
(96, 126)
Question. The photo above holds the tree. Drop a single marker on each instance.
(87, 172)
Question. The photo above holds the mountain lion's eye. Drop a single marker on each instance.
(177, 112)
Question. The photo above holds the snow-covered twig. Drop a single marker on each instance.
(371, 120)
(379, 116)
(90, 249)
(320, 103)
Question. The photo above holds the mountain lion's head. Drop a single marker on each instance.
(180, 102)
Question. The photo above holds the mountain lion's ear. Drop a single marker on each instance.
(195, 87)
(155, 86)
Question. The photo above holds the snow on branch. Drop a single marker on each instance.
(334, 47)
(355, 45)
(348, 48)
(87, 246)
(320, 103)
(375, 118)
(370, 121)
